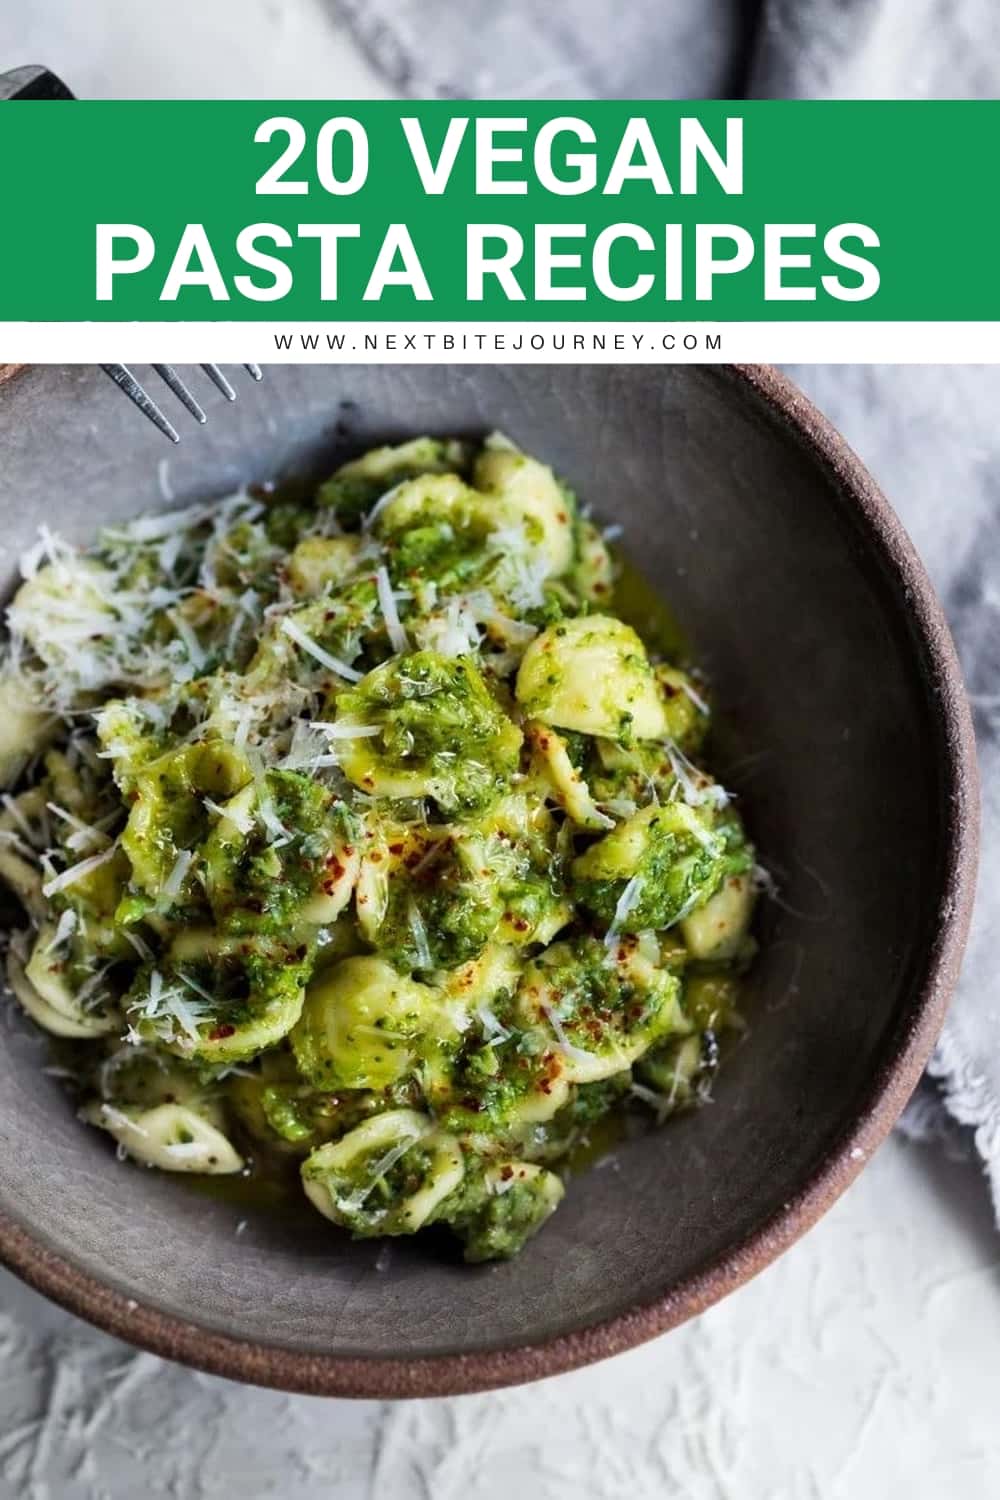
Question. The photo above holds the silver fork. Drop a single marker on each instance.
(126, 381)
(41, 83)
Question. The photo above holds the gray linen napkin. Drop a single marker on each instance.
(929, 434)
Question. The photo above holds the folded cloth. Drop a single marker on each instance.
(687, 49)
(930, 435)
(586, 50)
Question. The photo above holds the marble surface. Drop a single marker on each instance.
(864, 1363)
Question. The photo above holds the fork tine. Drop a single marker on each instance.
(253, 371)
(170, 377)
(217, 378)
(126, 381)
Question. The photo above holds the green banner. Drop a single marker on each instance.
(341, 211)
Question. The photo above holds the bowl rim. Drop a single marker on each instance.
(453, 1374)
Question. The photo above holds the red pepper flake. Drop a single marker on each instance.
(506, 1173)
(221, 1032)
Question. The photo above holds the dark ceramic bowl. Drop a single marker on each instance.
(847, 736)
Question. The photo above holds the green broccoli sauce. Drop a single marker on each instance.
(414, 895)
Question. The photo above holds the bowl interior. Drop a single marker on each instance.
(828, 735)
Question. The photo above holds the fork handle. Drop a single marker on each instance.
(32, 82)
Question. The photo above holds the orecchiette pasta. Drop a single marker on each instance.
(361, 846)
(591, 674)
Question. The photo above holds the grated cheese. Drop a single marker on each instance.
(419, 931)
(242, 735)
(492, 1027)
(15, 842)
(49, 546)
(246, 612)
(10, 803)
(163, 479)
(380, 504)
(155, 528)
(193, 984)
(273, 825)
(169, 552)
(387, 603)
(89, 988)
(619, 807)
(191, 643)
(565, 1045)
(527, 587)
(120, 1120)
(342, 731)
(696, 789)
(65, 928)
(696, 698)
(170, 1010)
(141, 947)
(451, 631)
(387, 1162)
(85, 832)
(317, 652)
(174, 881)
(240, 820)
(627, 902)
(77, 872)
